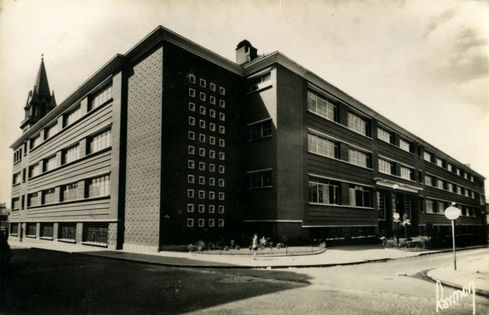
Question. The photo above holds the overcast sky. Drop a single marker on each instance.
(422, 64)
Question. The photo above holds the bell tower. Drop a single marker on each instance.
(39, 100)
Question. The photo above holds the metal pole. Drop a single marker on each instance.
(453, 242)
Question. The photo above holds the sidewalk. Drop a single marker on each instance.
(345, 255)
(475, 269)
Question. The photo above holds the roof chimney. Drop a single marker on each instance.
(245, 52)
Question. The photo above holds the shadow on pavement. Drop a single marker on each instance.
(46, 282)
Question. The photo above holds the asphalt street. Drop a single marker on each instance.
(45, 282)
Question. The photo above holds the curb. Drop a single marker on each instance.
(450, 250)
(452, 285)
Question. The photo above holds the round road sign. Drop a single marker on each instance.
(452, 213)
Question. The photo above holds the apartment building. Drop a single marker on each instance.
(170, 143)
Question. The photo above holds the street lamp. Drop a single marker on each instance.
(396, 215)
(452, 213)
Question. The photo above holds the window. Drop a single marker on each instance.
(382, 206)
(385, 135)
(191, 92)
(211, 222)
(202, 152)
(191, 120)
(201, 194)
(99, 186)
(203, 83)
(212, 195)
(191, 78)
(439, 162)
(259, 179)
(51, 131)
(324, 191)
(202, 123)
(190, 179)
(222, 117)
(222, 103)
(357, 124)
(70, 154)
(222, 156)
(321, 106)
(260, 130)
(449, 186)
(439, 183)
(202, 110)
(201, 180)
(34, 170)
(222, 169)
(323, 146)
(202, 96)
(190, 193)
(33, 199)
(212, 140)
(212, 100)
(221, 182)
(31, 229)
(222, 129)
(72, 116)
(404, 145)
(212, 208)
(212, 126)
(18, 155)
(16, 179)
(201, 208)
(201, 222)
(49, 196)
(359, 158)
(441, 207)
(212, 167)
(407, 173)
(428, 156)
(222, 143)
(191, 107)
(221, 195)
(14, 228)
(212, 154)
(191, 135)
(212, 86)
(95, 232)
(69, 192)
(429, 206)
(386, 167)
(15, 203)
(202, 137)
(36, 141)
(221, 223)
(212, 113)
(190, 222)
(428, 180)
(221, 209)
(190, 207)
(360, 196)
(101, 97)
(201, 166)
(212, 180)
(191, 149)
(450, 167)
(99, 141)
(191, 164)
(222, 90)
(67, 231)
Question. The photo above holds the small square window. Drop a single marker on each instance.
(221, 196)
(201, 208)
(202, 83)
(222, 143)
(202, 180)
(202, 152)
(212, 195)
(212, 100)
(222, 156)
(222, 129)
(202, 166)
(212, 126)
(202, 123)
(191, 120)
(190, 222)
(222, 103)
(191, 135)
(191, 92)
(222, 169)
(212, 154)
(221, 209)
(212, 167)
(202, 110)
(190, 179)
(191, 149)
(212, 140)
(201, 194)
(191, 78)
(221, 222)
(202, 96)
(211, 222)
(191, 164)
(221, 182)
(212, 208)
(201, 222)
(202, 137)
(190, 193)
(222, 116)
(191, 107)
(190, 207)
(212, 113)
(222, 90)
(212, 86)
(212, 180)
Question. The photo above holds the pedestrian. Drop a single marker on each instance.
(254, 245)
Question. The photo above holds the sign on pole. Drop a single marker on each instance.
(452, 213)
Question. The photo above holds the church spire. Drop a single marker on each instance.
(40, 100)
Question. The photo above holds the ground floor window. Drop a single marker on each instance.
(47, 230)
(67, 231)
(360, 196)
(14, 228)
(95, 233)
(31, 229)
(324, 191)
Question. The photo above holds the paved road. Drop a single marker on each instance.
(44, 282)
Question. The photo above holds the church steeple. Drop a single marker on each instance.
(39, 100)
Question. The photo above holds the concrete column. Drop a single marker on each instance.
(84, 106)
(112, 236)
(38, 230)
(82, 146)
(80, 192)
(79, 232)
(59, 158)
(55, 231)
